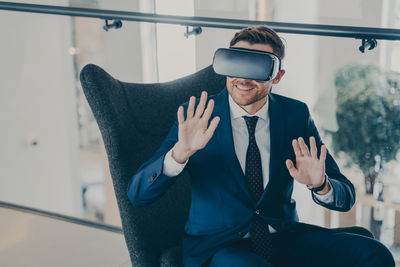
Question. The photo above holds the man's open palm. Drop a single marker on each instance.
(194, 132)
(309, 169)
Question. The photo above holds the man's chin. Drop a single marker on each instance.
(242, 102)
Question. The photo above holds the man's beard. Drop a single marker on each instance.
(245, 102)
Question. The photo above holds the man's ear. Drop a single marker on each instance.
(278, 76)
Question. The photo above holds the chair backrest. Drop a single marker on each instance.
(134, 119)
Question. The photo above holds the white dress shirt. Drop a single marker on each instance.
(241, 136)
(241, 141)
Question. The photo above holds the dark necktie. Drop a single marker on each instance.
(259, 231)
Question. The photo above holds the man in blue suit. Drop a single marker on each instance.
(243, 148)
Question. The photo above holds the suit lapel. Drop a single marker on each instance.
(225, 139)
(276, 126)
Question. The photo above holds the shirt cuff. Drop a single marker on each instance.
(327, 198)
(171, 167)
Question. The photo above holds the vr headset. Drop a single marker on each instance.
(246, 64)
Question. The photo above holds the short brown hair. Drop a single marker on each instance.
(261, 35)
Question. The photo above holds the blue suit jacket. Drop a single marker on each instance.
(222, 208)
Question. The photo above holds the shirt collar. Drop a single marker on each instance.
(236, 111)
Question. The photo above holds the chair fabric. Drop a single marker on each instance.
(171, 257)
(134, 119)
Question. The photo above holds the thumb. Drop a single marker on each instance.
(291, 168)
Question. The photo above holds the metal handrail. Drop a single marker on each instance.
(61, 217)
(283, 27)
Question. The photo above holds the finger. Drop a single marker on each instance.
(313, 148)
(190, 109)
(211, 128)
(213, 125)
(209, 110)
(322, 157)
(291, 168)
(296, 148)
(181, 118)
(303, 147)
(201, 105)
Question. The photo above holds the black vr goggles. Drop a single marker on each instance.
(246, 64)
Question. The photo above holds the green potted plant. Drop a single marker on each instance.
(368, 117)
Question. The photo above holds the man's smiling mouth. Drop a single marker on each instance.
(240, 87)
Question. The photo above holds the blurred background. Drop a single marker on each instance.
(52, 156)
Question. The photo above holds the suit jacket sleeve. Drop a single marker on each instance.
(149, 182)
(343, 189)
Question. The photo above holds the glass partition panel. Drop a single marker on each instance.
(53, 157)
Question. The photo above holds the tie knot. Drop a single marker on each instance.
(251, 123)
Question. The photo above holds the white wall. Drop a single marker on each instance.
(175, 53)
(213, 38)
(37, 97)
(299, 80)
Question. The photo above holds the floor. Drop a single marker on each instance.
(46, 242)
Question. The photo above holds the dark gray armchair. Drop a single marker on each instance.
(134, 119)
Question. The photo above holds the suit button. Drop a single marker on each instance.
(340, 203)
(151, 178)
(257, 212)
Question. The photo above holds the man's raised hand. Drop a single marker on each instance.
(193, 133)
(309, 169)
